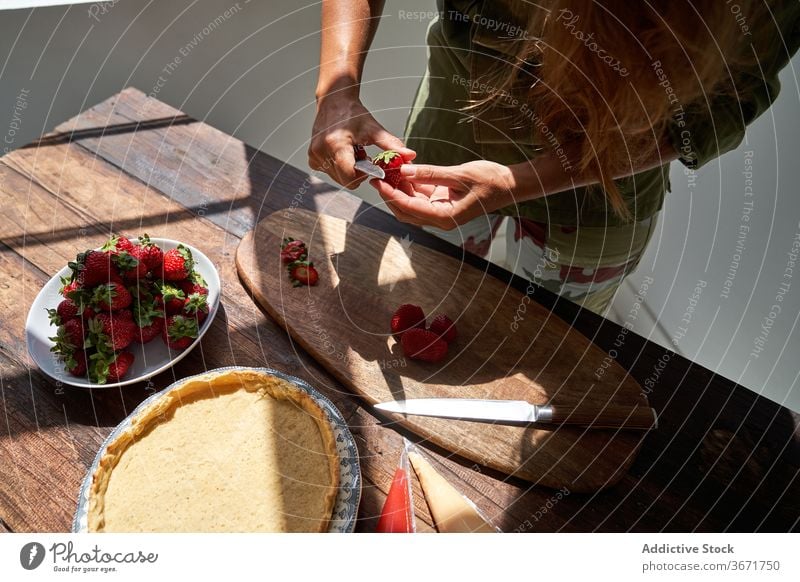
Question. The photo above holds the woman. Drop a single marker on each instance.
(563, 115)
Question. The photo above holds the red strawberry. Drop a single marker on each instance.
(196, 305)
(293, 250)
(146, 333)
(67, 286)
(65, 311)
(444, 327)
(390, 161)
(73, 329)
(130, 265)
(93, 267)
(406, 317)
(111, 297)
(112, 331)
(421, 344)
(178, 263)
(76, 365)
(179, 332)
(189, 287)
(119, 366)
(303, 273)
(150, 253)
(169, 299)
(117, 244)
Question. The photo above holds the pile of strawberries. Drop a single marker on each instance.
(421, 342)
(126, 292)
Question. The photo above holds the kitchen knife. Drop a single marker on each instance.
(364, 164)
(520, 411)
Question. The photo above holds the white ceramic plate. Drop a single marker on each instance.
(345, 508)
(149, 359)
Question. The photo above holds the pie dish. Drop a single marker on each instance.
(234, 450)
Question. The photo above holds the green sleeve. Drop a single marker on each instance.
(715, 125)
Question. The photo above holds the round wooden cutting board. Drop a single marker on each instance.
(508, 347)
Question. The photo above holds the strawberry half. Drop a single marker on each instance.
(303, 273)
(444, 327)
(293, 250)
(421, 344)
(406, 317)
(390, 161)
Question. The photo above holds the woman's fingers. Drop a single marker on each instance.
(386, 141)
(436, 175)
(418, 208)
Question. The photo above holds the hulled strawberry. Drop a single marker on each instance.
(111, 297)
(178, 264)
(302, 273)
(390, 161)
(196, 306)
(406, 317)
(179, 331)
(421, 344)
(444, 327)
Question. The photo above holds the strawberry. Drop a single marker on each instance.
(293, 250)
(76, 364)
(67, 286)
(406, 317)
(189, 287)
(390, 161)
(179, 332)
(111, 332)
(178, 264)
(150, 253)
(92, 268)
(65, 310)
(119, 366)
(69, 350)
(146, 333)
(130, 265)
(74, 331)
(303, 273)
(421, 344)
(111, 297)
(444, 327)
(148, 319)
(169, 298)
(196, 306)
(107, 366)
(117, 244)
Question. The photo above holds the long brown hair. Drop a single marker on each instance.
(611, 75)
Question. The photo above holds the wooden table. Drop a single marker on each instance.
(724, 459)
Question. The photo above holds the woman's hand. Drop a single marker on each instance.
(448, 196)
(342, 122)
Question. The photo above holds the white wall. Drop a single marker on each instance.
(254, 75)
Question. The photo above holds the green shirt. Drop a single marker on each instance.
(471, 38)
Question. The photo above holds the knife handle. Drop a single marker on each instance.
(611, 416)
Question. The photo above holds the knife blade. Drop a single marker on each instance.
(522, 412)
(364, 164)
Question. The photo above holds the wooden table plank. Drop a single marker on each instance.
(724, 458)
